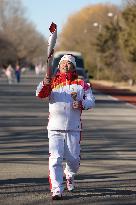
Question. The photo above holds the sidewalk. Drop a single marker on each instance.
(119, 91)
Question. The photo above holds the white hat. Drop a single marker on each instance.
(70, 58)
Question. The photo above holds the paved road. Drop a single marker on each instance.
(108, 167)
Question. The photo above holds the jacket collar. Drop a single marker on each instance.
(67, 76)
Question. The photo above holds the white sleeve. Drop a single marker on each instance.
(39, 88)
(88, 101)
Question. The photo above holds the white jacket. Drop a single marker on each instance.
(62, 116)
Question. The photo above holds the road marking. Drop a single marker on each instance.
(127, 103)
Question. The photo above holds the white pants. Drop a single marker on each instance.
(63, 144)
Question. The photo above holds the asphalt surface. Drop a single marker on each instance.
(107, 174)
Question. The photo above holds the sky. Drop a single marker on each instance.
(43, 12)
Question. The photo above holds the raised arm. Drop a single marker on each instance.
(43, 89)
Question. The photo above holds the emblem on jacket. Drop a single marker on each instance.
(74, 95)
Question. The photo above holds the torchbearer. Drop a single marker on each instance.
(68, 96)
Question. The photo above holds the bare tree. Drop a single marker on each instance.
(128, 2)
(19, 33)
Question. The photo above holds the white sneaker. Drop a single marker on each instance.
(70, 184)
(56, 195)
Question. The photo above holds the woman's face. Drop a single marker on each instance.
(66, 66)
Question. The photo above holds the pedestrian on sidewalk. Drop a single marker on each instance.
(18, 73)
(68, 96)
(9, 72)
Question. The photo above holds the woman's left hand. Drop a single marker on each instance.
(77, 104)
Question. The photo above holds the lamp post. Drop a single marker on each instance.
(115, 18)
(99, 26)
(96, 24)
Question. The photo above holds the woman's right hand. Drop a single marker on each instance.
(47, 80)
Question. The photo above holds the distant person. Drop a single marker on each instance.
(9, 72)
(38, 69)
(68, 96)
(18, 73)
(43, 68)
